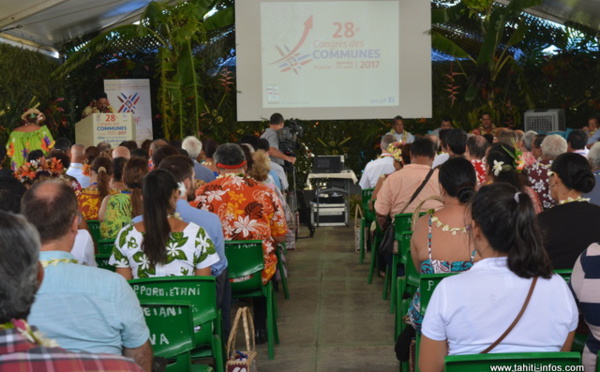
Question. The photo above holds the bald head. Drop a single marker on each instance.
(51, 207)
(121, 152)
(77, 153)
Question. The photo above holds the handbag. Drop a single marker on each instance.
(386, 247)
(245, 360)
(359, 229)
(514, 323)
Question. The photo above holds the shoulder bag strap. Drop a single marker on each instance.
(514, 323)
(418, 190)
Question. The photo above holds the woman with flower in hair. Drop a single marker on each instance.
(571, 226)
(90, 198)
(395, 149)
(28, 137)
(504, 165)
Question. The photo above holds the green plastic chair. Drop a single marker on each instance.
(598, 362)
(378, 237)
(201, 293)
(565, 273)
(105, 246)
(427, 285)
(369, 217)
(102, 262)
(172, 334)
(281, 247)
(484, 362)
(245, 264)
(94, 227)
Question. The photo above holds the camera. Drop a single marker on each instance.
(289, 136)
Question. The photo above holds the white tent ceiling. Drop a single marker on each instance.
(48, 24)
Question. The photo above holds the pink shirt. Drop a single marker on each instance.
(401, 185)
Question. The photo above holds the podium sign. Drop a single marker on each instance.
(111, 128)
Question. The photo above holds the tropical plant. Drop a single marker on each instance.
(489, 45)
(179, 32)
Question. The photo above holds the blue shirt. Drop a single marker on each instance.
(210, 223)
(203, 172)
(87, 309)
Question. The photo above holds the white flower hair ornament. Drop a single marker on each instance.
(497, 168)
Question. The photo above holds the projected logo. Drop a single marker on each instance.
(128, 102)
(293, 60)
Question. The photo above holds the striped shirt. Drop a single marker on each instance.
(585, 282)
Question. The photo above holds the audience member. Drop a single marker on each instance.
(384, 164)
(140, 153)
(594, 157)
(469, 311)
(248, 210)
(91, 153)
(552, 146)
(162, 152)
(209, 146)
(441, 154)
(162, 244)
(193, 146)
(572, 225)
(116, 181)
(155, 145)
(440, 242)
(526, 146)
(508, 137)
(4, 172)
(91, 197)
(476, 148)
(455, 142)
(277, 171)
(576, 142)
(22, 348)
(63, 144)
(146, 145)
(592, 129)
(583, 282)
(502, 167)
(11, 192)
(536, 145)
(83, 308)
(104, 147)
(117, 210)
(396, 149)
(131, 145)
(121, 152)
(399, 187)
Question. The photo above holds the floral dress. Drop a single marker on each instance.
(22, 143)
(186, 251)
(117, 215)
(248, 210)
(431, 266)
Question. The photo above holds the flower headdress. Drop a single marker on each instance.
(28, 171)
(32, 114)
(518, 163)
(395, 148)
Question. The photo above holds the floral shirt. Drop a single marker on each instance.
(248, 210)
(117, 215)
(89, 202)
(480, 170)
(537, 175)
(186, 251)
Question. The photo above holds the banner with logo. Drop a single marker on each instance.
(132, 96)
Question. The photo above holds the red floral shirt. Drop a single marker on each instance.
(248, 210)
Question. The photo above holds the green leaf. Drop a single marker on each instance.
(445, 45)
(220, 19)
(123, 236)
(132, 243)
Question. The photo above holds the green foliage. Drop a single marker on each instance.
(24, 84)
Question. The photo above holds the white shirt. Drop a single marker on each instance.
(440, 159)
(374, 169)
(76, 171)
(405, 137)
(472, 309)
(83, 249)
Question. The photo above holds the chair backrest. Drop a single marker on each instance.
(171, 326)
(244, 263)
(102, 262)
(402, 223)
(365, 204)
(105, 246)
(565, 273)
(199, 291)
(427, 284)
(484, 362)
(94, 227)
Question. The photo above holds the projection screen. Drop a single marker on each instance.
(319, 60)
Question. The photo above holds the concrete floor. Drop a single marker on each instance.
(334, 320)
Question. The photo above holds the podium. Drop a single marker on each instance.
(111, 128)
